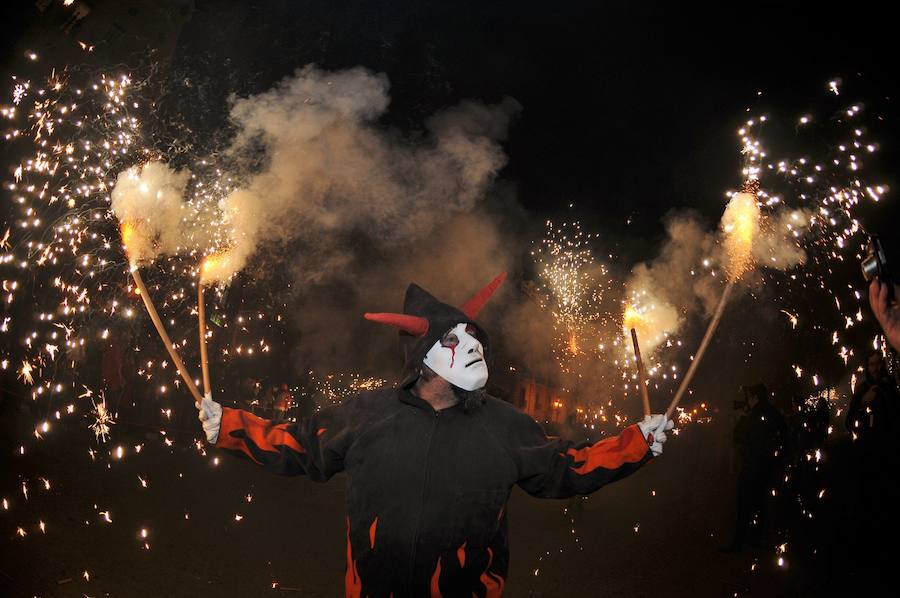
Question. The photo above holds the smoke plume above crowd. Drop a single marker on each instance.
(327, 193)
(150, 199)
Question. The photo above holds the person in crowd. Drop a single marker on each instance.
(872, 413)
(283, 402)
(760, 439)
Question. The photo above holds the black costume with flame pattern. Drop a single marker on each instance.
(427, 489)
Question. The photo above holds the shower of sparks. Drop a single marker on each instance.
(574, 283)
(68, 299)
(334, 388)
(827, 397)
(76, 133)
(102, 421)
(823, 190)
(25, 373)
(589, 324)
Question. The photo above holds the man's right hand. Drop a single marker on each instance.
(211, 417)
(887, 314)
(654, 428)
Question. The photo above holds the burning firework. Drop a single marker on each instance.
(740, 223)
(568, 270)
(740, 226)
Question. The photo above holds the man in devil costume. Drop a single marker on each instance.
(430, 464)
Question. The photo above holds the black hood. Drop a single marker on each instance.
(441, 318)
(425, 320)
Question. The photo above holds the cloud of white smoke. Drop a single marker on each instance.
(678, 284)
(149, 199)
(330, 170)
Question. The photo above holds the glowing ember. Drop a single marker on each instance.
(216, 268)
(631, 318)
(102, 421)
(128, 237)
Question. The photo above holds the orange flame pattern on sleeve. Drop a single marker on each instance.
(611, 453)
(262, 432)
(461, 555)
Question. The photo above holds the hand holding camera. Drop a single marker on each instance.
(882, 292)
(887, 311)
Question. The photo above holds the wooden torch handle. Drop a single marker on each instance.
(145, 295)
(645, 394)
(204, 359)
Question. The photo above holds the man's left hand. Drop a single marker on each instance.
(654, 428)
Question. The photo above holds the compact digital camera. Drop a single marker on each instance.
(875, 264)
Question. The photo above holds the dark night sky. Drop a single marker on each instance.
(629, 107)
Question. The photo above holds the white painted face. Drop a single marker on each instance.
(458, 358)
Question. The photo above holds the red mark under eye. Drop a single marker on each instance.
(450, 341)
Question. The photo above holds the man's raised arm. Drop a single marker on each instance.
(560, 468)
(313, 446)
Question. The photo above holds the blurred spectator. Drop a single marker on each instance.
(266, 401)
(283, 402)
(872, 422)
(248, 393)
(760, 436)
(872, 414)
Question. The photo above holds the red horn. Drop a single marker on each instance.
(474, 305)
(413, 325)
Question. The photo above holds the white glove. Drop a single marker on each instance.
(653, 428)
(211, 416)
